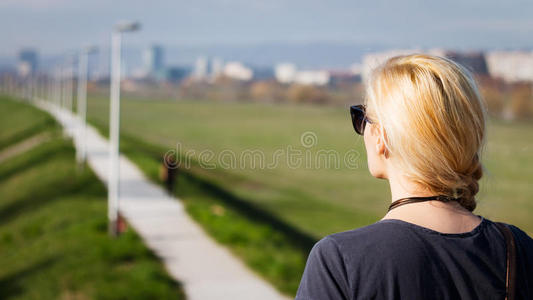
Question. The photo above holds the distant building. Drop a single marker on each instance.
(312, 77)
(201, 68)
(237, 70)
(288, 73)
(217, 67)
(27, 62)
(511, 66)
(344, 77)
(263, 73)
(285, 73)
(153, 59)
(207, 69)
(176, 74)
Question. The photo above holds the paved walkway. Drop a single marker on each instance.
(206, 269)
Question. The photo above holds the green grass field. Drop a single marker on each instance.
(317, 201)
(53, 224)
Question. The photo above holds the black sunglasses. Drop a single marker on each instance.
(359, 119)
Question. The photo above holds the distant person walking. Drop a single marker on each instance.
(169, 172)
(423, 126)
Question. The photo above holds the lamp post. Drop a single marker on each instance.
(63, 86)
(69, 82)
(58, 88)
(114, 124)
(82, 101)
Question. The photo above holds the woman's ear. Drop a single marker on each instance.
(381, 147)
(376, 149)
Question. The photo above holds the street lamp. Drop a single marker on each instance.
(69, 70)
(114, 123)
(66, 97)
(82, 100)
(64, 87)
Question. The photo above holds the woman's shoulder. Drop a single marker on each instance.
(350, 241)
(383, 231)
(371, 250)
(382, 235)
(373, 231)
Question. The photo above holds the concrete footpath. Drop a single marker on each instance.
(206, 269)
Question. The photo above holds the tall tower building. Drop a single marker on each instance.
(153, 60)
(201, 68)
(216, 68)
(27, 62)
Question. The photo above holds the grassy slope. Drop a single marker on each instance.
(18, 122)
(53, 232)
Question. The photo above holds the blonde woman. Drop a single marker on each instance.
(423, 125)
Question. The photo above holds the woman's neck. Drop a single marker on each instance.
(402, 187)
(449, 217)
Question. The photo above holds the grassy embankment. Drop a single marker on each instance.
(53, 225)
(298, 205)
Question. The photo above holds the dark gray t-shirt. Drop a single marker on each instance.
(394, 259)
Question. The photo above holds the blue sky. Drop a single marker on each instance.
(54, 26)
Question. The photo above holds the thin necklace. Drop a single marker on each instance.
(408, 200)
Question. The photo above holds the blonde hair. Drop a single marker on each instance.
(432, 118)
